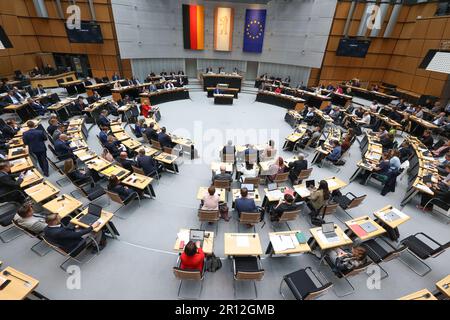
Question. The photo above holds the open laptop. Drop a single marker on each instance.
(94, 213)
(310, 184)
(250, 186)
(328, 232)
(272, 186)
(197, 235)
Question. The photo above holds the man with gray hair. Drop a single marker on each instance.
(295, 167)
(223, 175)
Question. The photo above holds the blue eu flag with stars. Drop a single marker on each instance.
(255, 22)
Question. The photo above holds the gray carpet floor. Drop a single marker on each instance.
(139, 264)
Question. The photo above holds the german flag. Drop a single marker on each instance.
(193, 27)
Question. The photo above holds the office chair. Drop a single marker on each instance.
(247, 269)
(189, 275)
(302, 284)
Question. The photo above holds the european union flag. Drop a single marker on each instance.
(255, 22)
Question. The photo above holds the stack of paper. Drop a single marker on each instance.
(242, 241)
(277, 194)
(282, 242)
(183, 236)
(332, 183)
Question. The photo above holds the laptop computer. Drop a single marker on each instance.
(272, 186)
(250, 186)
(328, 232)
(197, 235)
(94, 213)
(310, 184)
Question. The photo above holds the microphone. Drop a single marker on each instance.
(7, 273)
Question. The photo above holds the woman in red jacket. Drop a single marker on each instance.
(193, 257)
(145, 109)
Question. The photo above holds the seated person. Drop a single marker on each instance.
(405, 151)
(125, 162)
(67, 238)
(439, 152)
(336, 153)
(365, 120)
(146, 109)
(374, 106)
(286, 204)
(78, 176)
(418, 112)
(410, 109)
(217, 91)
(223, 175)
(115, 186)
(147, 163)
(53, 125)
(10, 184)
(63, 149)
(335, 113)
(318, 198)
(348, 140)
(345, 260)
(103, 135)
(151, 133)
(193, 257)
(276, 168)
(442, 165)
(80, 106)
(139, 128)
(387, 141)
(406, 123)
(382, 132)
(296, 167)
(164, 139)
(114, 146)
(37, 107)
(25, 219)
(211, 200)
(244, 203)
(382, 168)
(168, 85)
(248, 171)
(103, 120)
(427, 139)
(11, 129)
(60, 130)
(441, 191)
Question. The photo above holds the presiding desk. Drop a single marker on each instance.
(281, 100)
(48, 81)
(233, 91)
(164, 95)
(212, 79)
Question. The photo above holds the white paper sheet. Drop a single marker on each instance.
(242, 241)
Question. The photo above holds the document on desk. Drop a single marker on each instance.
(276, 194)
(17, 162)
(332, 183)
(281, 242)
(183, 236)
(242, 241)
(424, 188)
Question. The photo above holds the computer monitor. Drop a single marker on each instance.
(95, 210)
(250, 186)
(272, 186)
(196, 235)
(328, 227)
(310, 184)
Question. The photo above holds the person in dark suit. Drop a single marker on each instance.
(39, 90)
(125, 162)
(209, 70)
(11, 129)
(77, 176)
(35, 140)
(151, 133)
(115, 77)
(287, 204)
(147, 163)
(217, 91)
(427, 139)
(296, 167)
(11, 98)
(113, 146)
(223, 175)
(164, 139)
(115, 186)
(48, 69)
(79, 106)
(103, 120)
(19, 95)
(245, 204)
(67, 238)
(10, 184)
(37, 107)
(53, 125)
(96, 96)
(103, 135)
(63, 149)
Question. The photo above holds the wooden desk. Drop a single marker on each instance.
(149, 151)
(203, 191)
(334, 183)
(42, 191)
(116, 128)
(115, 170)
(85, 154)
(51, 81)
(17, 289)
(208, 242)
(21, 152)
(105, 218)
(381, 214)
(140, 182)
(444, 286)
(121, 136)
(16, 142)
(132, 144)
(299, 247)
(63, 205)
(223, 98)
(365, 235)
(212, 79)
(31, 177)
(98, 164)
(236, 193)
(326, 245)
(242, 244)
(21, 164)
(423, 294)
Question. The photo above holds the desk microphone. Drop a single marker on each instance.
(425, 296)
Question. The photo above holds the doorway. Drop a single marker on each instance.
(75, 62)
(252, 70)
(191, 67)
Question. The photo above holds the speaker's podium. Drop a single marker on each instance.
(223, 98)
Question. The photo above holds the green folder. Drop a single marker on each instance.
(300, 237)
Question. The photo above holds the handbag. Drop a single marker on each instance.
(213, 263)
